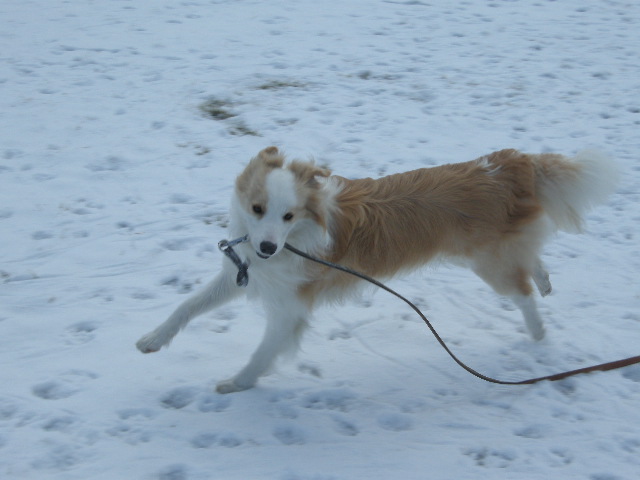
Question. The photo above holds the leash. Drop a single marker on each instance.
(226, 247)
(243, 276)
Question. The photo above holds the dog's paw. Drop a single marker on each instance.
(537, 331)
(230, 386)
(150, 343)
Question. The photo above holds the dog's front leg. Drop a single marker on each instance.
(222, 289)
(286, 322)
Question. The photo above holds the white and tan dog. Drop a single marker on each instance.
(493, 213)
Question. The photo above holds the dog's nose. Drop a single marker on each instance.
(268, 248)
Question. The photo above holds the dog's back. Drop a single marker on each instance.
(494, 213)
(403, 220)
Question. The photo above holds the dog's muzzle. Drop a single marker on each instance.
(267, 249)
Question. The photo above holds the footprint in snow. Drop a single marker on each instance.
(81, 332)
(174, 472)
(338, 399)
(8, 409)
(67, 385)
(178, 398)
(289, 434)
(61, 424)
(53, 390)
(632, 373)
(142, 295)
(204, 440)
(180, 198)
(108, 164)
(560, 457)
(179, 244)
(131, 425)
(345, 427)
(142, 413)
(214, 403)
(395, 422)
(230, 441)
(181, 285)
(60, 457)
(83, 206)
(490, 458)
(42, 235)
(531, 431)
(11, 153)
(129, 434)
(209, 439)
(282, 410)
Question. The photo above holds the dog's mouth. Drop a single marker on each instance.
(263, 256)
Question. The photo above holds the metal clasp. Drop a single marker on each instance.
(226, 247)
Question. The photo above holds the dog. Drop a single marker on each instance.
(492, 214)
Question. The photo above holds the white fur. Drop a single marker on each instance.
(281, 200)
(566, 197)
(274, 281)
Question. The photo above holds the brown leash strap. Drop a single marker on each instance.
(603, 367)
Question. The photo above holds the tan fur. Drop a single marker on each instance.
(250, 179)
(309, 189)
(402, 221)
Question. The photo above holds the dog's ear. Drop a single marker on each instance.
(270, 157)
(307, 172)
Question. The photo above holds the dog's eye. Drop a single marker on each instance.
(287, 216)
(257, 209)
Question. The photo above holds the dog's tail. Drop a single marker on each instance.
(569, 187)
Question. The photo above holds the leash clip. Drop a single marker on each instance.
(226, 247)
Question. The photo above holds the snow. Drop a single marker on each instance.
(114, 189)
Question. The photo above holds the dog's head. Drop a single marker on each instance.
(275, 199)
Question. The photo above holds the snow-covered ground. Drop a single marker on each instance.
(114, 187)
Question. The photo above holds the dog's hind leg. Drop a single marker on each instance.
(222, 289)
(541, 278)
(527, 305)
(286, 321)
(514, 282)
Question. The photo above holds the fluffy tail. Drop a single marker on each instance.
(569, 187)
